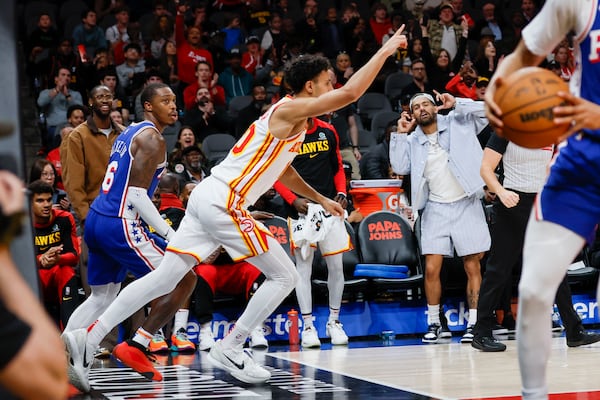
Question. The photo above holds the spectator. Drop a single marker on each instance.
(206, 118)
(167, 65)
(54, 157)
(163, 31)
(257, 16)
(87, 36)
(486, 60)
(189, 48)
(308, 31)
(43, 170)
(134, 64)
(419, 83)
(332, 34)
(118, 35)
(274, 39)
(319, 163)
(448, 191)
(234, 36)
(444, 33)
(441, 67)
(529, 9)
(463, 83)
(249, 114)
(205, 78)
(185, 138)
(56, 250)
(109, 78)
(117, 118)
(64, 57)
(564, 57)
(55, 102)
(379, 22)
(40, 42)
(492, 20)
(84, 156)
(34, 348)
(193, 168)
(343, 69)
(252, 58)
(235, 80)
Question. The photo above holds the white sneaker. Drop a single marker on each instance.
(206, 340)
(335, 331)
(238, 363)
(257, 338)
(80, 358)
(310, 337)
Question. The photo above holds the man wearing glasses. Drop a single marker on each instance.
(84, 157)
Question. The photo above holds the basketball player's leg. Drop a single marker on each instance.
(549, 249)
(281, 278)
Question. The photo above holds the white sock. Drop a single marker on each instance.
(237, 337)
(181, 319)
(207, 326)
(472, 317)
(334, 315)
(142, 337)
(307, 320)
(433, 314)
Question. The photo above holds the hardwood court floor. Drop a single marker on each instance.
(363, 370)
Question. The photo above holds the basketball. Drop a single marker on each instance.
(526, 99)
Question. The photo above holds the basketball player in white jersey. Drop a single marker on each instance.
(217, 212)
(567, 209)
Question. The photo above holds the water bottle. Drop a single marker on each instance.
(294, 333)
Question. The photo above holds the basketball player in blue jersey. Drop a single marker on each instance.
(118, 241)
(567, 209)
(217, 212)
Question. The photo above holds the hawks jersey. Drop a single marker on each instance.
(60, 230)
(257, 159)
(580, 16)
(113, 192)
(319, 159)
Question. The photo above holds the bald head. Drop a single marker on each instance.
(168, 183)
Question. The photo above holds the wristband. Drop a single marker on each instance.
(355, 147)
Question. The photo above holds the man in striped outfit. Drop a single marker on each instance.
(443, 156)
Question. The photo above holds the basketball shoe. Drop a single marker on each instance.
(158, 344)
(181, 343)
(335, 330)
(80, 357)
(238, 363)
(310, 337)
(136, 357)
(257, 338)
(206, 340)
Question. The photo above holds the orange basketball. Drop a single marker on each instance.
(526, 99)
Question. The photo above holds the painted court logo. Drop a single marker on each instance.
(385, 230)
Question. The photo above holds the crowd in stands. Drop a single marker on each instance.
(225, 61)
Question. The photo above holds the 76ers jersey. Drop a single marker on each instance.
(111, 200)
(257, 159)
(581, 17)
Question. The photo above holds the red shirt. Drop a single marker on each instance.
(188, 56)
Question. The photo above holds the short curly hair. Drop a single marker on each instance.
(305, 68)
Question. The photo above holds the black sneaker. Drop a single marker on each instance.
(445, 332)
(433, 334)
(582, 338)
(499, 330)
(509, 323)
(487, 344)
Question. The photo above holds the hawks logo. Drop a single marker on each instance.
(247, 225)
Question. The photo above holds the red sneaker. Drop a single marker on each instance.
(134, 356)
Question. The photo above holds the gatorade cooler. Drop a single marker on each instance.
(376, 195)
